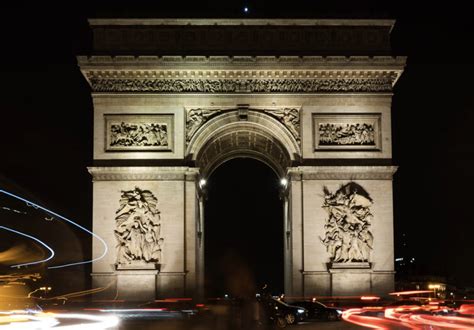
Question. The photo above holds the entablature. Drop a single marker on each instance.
(240, 74)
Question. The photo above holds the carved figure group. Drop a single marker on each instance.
(138, 228)
(290, 117)
(196, 118)
(346, 134)
(348, 237)
(138, 134)
(199, 85)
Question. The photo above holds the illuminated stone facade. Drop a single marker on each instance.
(166, 117)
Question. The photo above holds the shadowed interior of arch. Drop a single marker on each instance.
(244, 229)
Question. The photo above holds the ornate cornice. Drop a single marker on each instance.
(241, 74)
(142, 173)
(146, 62)
(342, 172)
(238, 21)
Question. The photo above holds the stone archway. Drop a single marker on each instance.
(244, 132)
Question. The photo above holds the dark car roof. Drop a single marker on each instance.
(292, 306)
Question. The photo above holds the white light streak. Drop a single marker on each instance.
(50, 321)
(29, 203)
(51, 251)
(100, 322)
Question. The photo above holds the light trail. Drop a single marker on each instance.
(409, 293)
(29, 203)
(409, 317)
(355, 316)
(79, 293)
(26, 321)
(51, 251)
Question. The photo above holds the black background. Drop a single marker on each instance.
(46, 112)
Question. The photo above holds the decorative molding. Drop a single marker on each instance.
(142, 173)
(348, 238)
(121, 272)
(241, 74)
(314, 273)
(349, 265)
(385, 63)
(238, 21)
(342, 172)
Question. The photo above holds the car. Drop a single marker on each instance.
(319, 311)
(277, 308)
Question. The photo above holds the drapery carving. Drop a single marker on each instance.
(348, 237)
(196, 118)
(138, 228)
(290, 117)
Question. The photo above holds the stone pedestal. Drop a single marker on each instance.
(138, 285)
(351, 278)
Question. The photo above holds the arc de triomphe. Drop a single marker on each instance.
(175, 98)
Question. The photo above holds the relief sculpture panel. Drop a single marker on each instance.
(138, 229)
(348, 237)
(347, 132)
(139, 132)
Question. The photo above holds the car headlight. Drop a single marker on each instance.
(338, 311)
(301, 311)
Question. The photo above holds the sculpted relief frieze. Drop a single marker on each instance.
(138, 229)
(347, 131)
(348, 237)
(139, 132)
(250, 85)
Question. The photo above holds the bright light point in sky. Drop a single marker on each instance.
(246, 9)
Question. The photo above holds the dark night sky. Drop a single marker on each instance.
(47, 112)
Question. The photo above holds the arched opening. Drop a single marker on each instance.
(224, 148)
(244, 229)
